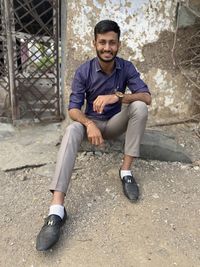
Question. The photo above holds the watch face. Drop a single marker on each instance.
(119, 94)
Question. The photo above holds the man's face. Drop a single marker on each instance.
(107, 46)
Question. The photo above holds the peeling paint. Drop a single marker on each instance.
(168, 100)
(169, 94)
(140, 21)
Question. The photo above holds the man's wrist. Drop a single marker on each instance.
(87, 123)
(116, 97)
(119, 95)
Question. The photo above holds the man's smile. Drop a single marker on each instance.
(107, 53)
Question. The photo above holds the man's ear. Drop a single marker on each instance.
(94, 43)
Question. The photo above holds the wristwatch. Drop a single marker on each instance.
(120, 95)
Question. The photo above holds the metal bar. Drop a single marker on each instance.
(43, 26)
(13, 93)
(56, 38)
(42, 64)
(4, 68)
(35, 16)
(24, 35)
(63, 14)
(40, 100)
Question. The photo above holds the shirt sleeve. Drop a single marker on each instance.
(134, 82)
(77, 95)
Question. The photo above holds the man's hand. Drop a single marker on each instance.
(94, 134)
(101, 101)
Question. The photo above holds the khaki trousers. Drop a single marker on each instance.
(132, 120)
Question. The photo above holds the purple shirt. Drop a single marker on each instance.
(90, 81)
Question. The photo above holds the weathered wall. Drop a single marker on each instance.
(147, 28)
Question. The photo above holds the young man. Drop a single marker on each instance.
(102, 81)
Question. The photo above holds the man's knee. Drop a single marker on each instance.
(75, 129)
(139, 109)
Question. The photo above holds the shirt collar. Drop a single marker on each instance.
(98, 67)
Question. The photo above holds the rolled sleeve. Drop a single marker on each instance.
(134, 82)
(77, 95)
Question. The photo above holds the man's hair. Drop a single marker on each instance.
(105, 26)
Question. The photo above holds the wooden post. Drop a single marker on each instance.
(13, 93)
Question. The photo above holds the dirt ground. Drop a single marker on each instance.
(104, 228)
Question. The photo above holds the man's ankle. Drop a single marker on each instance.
(57, 210)
(58, 198)
(125, 173)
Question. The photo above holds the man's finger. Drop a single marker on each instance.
(90, 139)
(97, 141)
(96, 107)
(101, 108)
(100, 141)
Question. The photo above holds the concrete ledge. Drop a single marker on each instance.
(155, 145)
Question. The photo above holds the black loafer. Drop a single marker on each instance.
(130, 187)
(50, 232)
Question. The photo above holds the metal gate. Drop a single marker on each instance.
(30, 59)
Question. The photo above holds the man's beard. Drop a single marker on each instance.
(106, 60)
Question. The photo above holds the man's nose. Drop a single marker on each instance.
(107, 47)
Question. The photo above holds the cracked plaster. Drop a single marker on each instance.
(141, 23)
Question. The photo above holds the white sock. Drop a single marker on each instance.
(57, 210)
(125, 173)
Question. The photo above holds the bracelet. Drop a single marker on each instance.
(88, 123)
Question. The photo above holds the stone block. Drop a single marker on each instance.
(155, 145)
